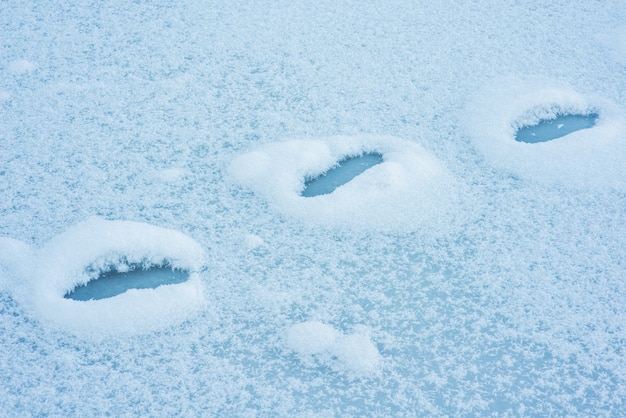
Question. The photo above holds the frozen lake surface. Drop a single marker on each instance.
(547, 130)
(345, 171)
(465, 272)
(113, 283)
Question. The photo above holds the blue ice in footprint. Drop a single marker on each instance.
(549, 129)
(345, 171)
(114, 283)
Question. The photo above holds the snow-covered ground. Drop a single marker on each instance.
(466, 274)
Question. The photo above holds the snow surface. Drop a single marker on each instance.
(466, 275)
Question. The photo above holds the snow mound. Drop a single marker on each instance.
(410, 189)
(354, 353)
(252, 241)
(95, 246)
(588, 158)
(312, 337)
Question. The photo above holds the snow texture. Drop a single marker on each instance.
(468, 274)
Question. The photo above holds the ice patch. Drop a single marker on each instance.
(594, 157)
(4, 96)
(550, 129)
(354, 353)
(408, 190)
(21, 67)
(345, 171)
(83, 252)
(112, 283)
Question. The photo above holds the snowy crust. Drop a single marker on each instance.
(594, 157)
(77, 255)
(409, 189)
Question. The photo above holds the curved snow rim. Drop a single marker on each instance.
(594, 157)
(97, 245)
(409, 189)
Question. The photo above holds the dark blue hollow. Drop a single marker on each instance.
(549, 129)
(345, 171)
(113, 283)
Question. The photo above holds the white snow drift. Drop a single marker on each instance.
(82, 252)
(411, 188)
(594, 157)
